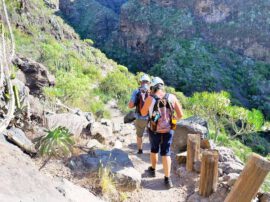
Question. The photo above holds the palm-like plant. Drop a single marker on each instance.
(57, 143)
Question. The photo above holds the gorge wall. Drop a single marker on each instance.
(195, 45)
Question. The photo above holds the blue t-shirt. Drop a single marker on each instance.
(133, 99)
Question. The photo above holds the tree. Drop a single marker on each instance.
(210, 106)
(243, 121)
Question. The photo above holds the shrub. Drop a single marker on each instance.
(119, 85)
(57, 143)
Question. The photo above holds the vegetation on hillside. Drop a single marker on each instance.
(86, 78)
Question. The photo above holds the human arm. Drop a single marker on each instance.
(132, 101)
(146, 106)
(178, 108)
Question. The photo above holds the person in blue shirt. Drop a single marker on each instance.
(137, 100)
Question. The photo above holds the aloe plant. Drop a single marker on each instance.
(57, 143)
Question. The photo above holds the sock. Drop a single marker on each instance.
(140, 151)
(166, 178)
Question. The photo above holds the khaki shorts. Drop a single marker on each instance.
(140, 126)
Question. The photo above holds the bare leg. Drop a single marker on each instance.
(166, 161)
(154, 159)
(139, 142)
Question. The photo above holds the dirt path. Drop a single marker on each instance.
(153, 189)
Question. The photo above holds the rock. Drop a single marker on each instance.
(264, 197)
(101, 132)
(118, 145)
(181, 158)
(220, 194)
(21, 181)
(94, 144)
(194, 198)
(50, 4)
(116, 127)
(197, 166)
(185, 127)
(231, 167)
(74, 192)
(36, 109)
(130, 117)
(231, 178)
(106, 122)
(182, 171)
(18, 137)
(205, 144)
(220, 172)
(74, 123)
(116, 160)
(128, 129)
(37, 75)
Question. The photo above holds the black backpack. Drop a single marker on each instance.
(140, 101)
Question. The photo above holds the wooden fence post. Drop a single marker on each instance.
(250, 180)
(209, 173)
(193, 150)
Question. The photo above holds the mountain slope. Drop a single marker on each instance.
(194, 45)
(44, 37)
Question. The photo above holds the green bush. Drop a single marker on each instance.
(57, 143)
(119, 85)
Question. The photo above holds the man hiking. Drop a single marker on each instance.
(137, 100)
(164, 110)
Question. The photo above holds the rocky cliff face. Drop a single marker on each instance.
(95, 19)
(239, 25)
(194, 45)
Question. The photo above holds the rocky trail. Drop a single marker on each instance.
(153, 189)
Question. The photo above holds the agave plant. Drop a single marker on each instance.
(57, 143)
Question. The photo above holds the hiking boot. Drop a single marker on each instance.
(151, 172)
(168, 182)
(140, 151)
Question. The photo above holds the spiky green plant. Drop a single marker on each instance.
(57, 143)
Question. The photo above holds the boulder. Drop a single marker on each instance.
(181, 158)
(264, 197)
(37, 75)
(117, 144)
(36, 109)
(74, 192)
(18, 137)
(228, 162)
(101, 131)
(94, 144)
(21, 181)
(188, 126)
(128, 129)
(117, 161)
(231, 167)
(231, 178)
(74, 123)
(116, 127)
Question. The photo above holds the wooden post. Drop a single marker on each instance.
(209, 173)
(250, 180)
(193, 150)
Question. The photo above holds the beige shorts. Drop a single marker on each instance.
(140, 126)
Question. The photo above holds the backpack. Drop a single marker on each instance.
(140, 99)
(162, 115)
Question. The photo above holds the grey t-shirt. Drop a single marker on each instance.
(133, 99)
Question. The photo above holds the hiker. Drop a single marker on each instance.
(164, 110)
(137, 100)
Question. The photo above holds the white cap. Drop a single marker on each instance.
(157, 80)
(145, 77)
